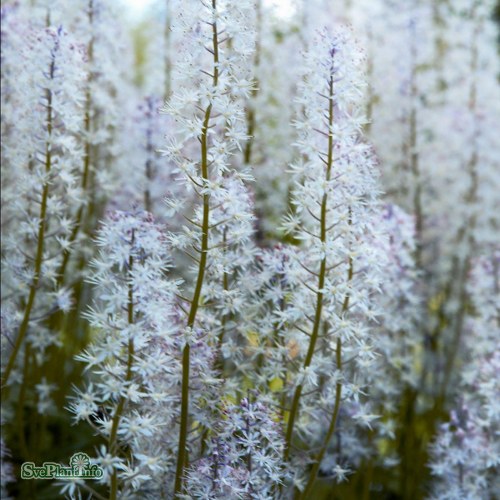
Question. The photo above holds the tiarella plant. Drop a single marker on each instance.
(244, 459)
(145, 183)
(248, 252)
(134, 375)
(210, 129)
(337, 268)
(269, 114)
(42, 209)
(465, 456)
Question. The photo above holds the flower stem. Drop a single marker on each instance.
(168, 45)
(414, 156)
(247, 156)
(86, 158)
(128, 378)
(331, 428)
(148, 206)
(181, 454)
(321, 283)
(336, 405)
(23, 328)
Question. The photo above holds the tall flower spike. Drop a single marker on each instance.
(396, 368)
(465, 454)
(106, 106)
(44, 200)
(144, 186)
(266, 351)
(269, 116)
(244, 459)
(210, 127)
(132, 367)
(335, 200)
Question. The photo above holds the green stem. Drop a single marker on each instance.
(149, 162)
(168, 61)
(369, 467)
(247, 155)
(331, 428)
(86, 158)
(34, 415)
(128, 377)
(183, 430)
(22, 395)
(321, 283)
(414, 157)
(336, 405)
(23, 328)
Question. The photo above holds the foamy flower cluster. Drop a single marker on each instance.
(133, 352)
(399, 339)
(465, 455)
(7, 474)
(43, 156)
(337, 268)
(148, 173)
(206, 107)
(244, 459)
(223, 353)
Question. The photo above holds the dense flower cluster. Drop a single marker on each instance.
(7, 471)
(249, 252)
(466, 453)
(131, 353)
(244, 459)
(42, 155)
(337, 271)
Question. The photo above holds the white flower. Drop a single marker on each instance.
(340, 473)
